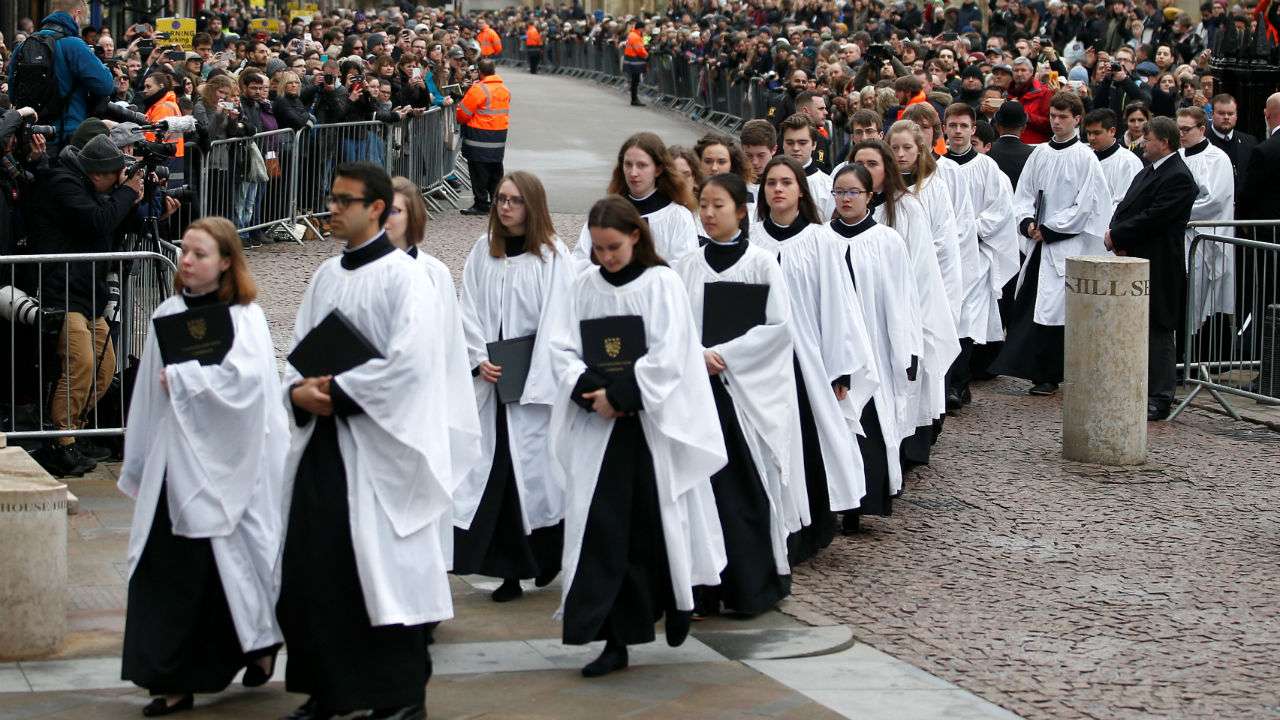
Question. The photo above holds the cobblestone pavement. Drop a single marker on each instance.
(1052, 588)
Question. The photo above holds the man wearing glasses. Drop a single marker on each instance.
(1212, 276)
(367, 477)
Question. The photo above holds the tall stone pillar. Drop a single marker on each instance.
(1104, 405)
(33, 558)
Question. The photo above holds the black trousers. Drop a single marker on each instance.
(1161, 366)
(484, 180)
(634, 75)
(535, 58)
(960, 374)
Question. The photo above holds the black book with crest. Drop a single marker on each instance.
(204, 334)
(332, 348)
(730, 309)
(611, 345)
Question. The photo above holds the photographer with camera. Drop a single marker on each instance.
(79, 206)
(54, 72)
(22, 150)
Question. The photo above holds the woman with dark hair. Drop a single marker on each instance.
(720, 154)
(753, 383)
(685, 163)
(644, 176)
(635, 445)
(881, 271)
(204, 464)
(509, 511)
(895, 207)
(835, 372)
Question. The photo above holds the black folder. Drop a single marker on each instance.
(514, 357)
(332, 347)
(204, 334)
(730, 309)
(611, 345)
(1039, 209)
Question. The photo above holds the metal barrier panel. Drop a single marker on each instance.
(414, 148)
(84, 314)
(321, 148)
(1231, 333)
(250, 180)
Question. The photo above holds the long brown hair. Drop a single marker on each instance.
(738, 163)
(614, 212)
(415, 220)
(235, 285)
(808, 210)
(695, 166)
(893, 187)
(539, 232)
(672, 186)
(926, 166)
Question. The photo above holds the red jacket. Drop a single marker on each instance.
(1035, 101)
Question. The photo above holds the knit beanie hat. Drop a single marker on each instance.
(88, 129)
(100, 155)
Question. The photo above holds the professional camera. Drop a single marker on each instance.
(879, 53)
(21, 309)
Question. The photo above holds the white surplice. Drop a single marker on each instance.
(820, 185)
(1212, 276)
(674, 231)
(934, 198)
(1077, 202)
(760, 377)
(990, 252)
(1119, 166)
(831, 341)
(216, 440)
(679, 422)
(396, 453)
(515, 297)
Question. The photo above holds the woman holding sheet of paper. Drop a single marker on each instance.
(508, 512)
(635, 440)
(204, 461)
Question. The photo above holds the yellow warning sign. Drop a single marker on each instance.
(181, 31)
(266, 25)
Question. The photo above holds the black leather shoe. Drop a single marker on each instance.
(850, 523)
(1044, 389)
(636, 103)
(954, 402)
(255, 676)
(475, 210)
(545, 579)
(309, 710)
(677, 624)
(509, 590)
(64, 460)
(93, 451)
(409, 712)
(160, 706)
(966, 397)
(613, 658)
(1157, 411)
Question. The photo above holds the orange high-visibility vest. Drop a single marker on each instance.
(635, 48)
(532, 38)
(490, 43)
(486, 106)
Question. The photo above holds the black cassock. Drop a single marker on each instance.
(179, 637)
(496, 544)
(821, 530)
(335, 654)
(1031, 351)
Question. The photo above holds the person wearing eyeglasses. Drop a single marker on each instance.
(368, 477)
(1212, 274)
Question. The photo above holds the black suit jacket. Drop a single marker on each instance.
(1259, 196)
(1010, 154)
(1149, 223)
(1238, 149)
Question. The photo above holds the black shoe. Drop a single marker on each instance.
(677, 627)
(93, 451)
(1044, 389)
(309, 710)
(159, 706)
(255, 676)
(954, 402)
(612, 658)
(636, 103)
(1157, 411)
(409, 712)
(509, 590)
(851, 523)
(475, 210)
(966, 397)
(545, 579)
(64, 461)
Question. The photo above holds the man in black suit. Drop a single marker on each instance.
(1259, 199)
(1149, 223)
(1009, 152)
(1223, 133)
(1259, 196)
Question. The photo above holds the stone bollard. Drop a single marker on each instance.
(1104, 404)
(33, 558)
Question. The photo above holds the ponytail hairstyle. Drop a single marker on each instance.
(671, 186)
(737, 188)
(808, 210)
(861, 174)
(892, 188)
(926, 166)
(614, 212)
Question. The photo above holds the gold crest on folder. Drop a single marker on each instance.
(196, 328)
(613, 346)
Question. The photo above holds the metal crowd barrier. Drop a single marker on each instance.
(1231, 336)
(86, 393)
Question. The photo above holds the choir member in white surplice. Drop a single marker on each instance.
(635, 448)
(644, 175)
(368, 477)
(760, 493)
(897, 208)
(881, 272)
(1119, 166)
(1062, 178)
(989, 252)
(834, 365)
(203, 462)
(1212, 273)
(799, 141)
(516, 283)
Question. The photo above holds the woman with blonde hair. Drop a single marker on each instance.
(508, 511)
(644, 175)
(204, 463)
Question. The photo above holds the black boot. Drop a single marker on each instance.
(613, 657)
(545, 578)
(677, 627)
(508, 591)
